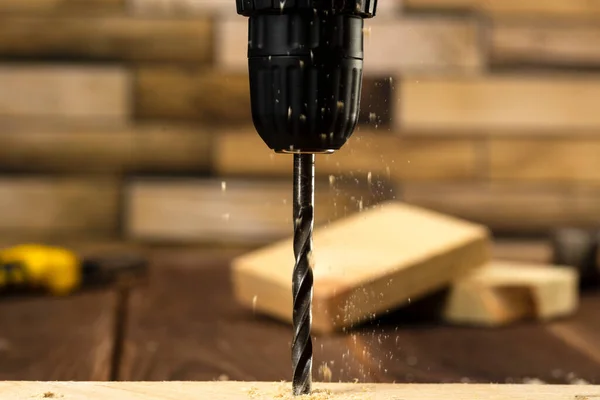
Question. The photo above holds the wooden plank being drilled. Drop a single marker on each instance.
(51, 206)
(510, 208)
(44, 148)
(573, 160)
(269, 390)
(368, 153)
(420, 44)
(364, 265)
(61, 6)
(183, 94)
(230, 211)
(106, 38)
(584, 8)
(64, 91)
(538, 42)
(523, 102)
(57, 338)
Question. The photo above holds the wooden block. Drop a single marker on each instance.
(234, 211)
(367, 153)
(182, 94)
(269, 390)
(60, 6)
(46, 206)
(561, 43)
(168, 8)
(523, 250)
(56, 339)
(419, 45)
(587, 8)
(104, 38)
(565, 159)
(64, 91)
(500, 102)
(364, 265)
(505, 292)
(89, 149)
(509, 208)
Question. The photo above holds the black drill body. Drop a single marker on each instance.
(305, 63)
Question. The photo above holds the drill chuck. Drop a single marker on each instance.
(305, 62)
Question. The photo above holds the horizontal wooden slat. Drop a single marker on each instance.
(524, 102)
(66, 149)
(510, 208)
(586, 8)
(164, 8)
(566, 159)
(368, 152)
(243, 211)
(564, 42)
(419, 44)
(64, 91)
(58, 206)
(60, 6)
(106, 38)
(199, 94)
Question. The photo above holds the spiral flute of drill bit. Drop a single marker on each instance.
(302, 282)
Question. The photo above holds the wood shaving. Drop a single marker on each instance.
(284, 392)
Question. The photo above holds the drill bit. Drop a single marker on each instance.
(302, 281)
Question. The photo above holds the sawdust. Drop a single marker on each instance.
(284, 392)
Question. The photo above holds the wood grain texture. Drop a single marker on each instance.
(364, 265)
(524, 102)
(421, 44)
(368, 152)
(64, 91)
(510, 208)
(541, 42)
(587, 8)
(503, 292)
(180, 8)
(565, 160)
(48, 338)
(251, 212)
(100, 150)
(50, 206)
(61, 6)
(106, 38)
(270, 390)
(185, 325)
(200, 94)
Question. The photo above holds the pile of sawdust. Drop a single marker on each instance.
(284, 392)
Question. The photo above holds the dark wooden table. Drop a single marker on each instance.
(184, 325)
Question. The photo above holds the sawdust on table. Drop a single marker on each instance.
(283, 392)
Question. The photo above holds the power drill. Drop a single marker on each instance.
(305, 63)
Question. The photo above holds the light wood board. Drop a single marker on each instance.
(53, 206)
(563, 43)
(107, 38)
(566, 159)
(510, 207)
(368, 153)
(503, 292)
(498, 102)
(67, 148)
(61, 6)
(364, 265)
(64, 91)
(586, 8)
(181, 93)
(164, 8)
(421, 44)
(270, 390)
(234, 211)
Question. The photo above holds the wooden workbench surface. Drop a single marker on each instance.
(184, 325)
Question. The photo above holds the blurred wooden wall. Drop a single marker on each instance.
(130, 119)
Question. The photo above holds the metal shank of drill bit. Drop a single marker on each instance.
(302, 283)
